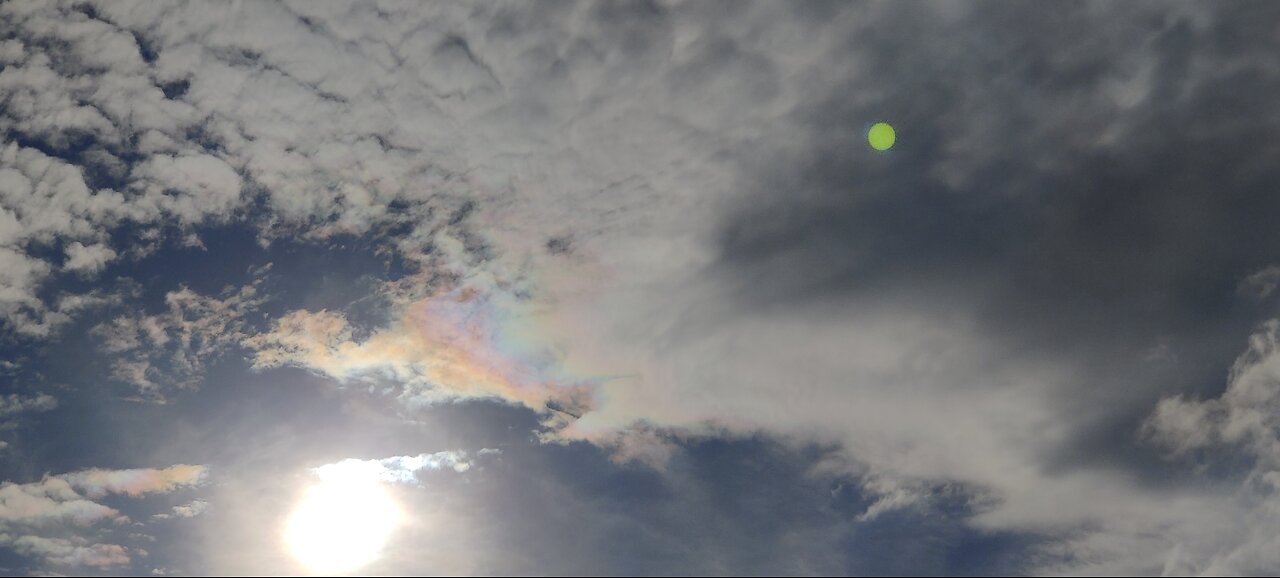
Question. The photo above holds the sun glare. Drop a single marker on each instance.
(341, 525)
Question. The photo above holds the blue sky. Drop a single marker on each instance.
(620, 288)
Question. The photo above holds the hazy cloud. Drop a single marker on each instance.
(398, 469)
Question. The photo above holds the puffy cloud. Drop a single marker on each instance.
(1240, 424)
(1246, 415)
(60, 498)
(49, 501)
(87, 259)
(62, 503)
(83, 105)
(212, 187)
(118, 117)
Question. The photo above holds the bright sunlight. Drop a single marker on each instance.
(341, 524)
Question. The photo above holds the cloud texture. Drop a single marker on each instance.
(657, 221)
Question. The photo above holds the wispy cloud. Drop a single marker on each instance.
(188, 510)
(13, 404)
(157, 353)
(398, 469)
(444, 347)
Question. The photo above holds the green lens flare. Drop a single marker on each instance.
(881, 136)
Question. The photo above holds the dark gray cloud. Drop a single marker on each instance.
(1087, 224)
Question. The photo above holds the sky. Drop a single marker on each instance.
(621, 288)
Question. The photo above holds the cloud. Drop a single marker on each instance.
(1240, 424)
(398, 469)
(446, 347)
(49, 501)
(740, 260)
(169, 350)
(211, 185)
(64, 552)
(97, 483)
(188, 510)
(1261, 284)
(59, 498)
(13, 404)
(974, 308)
(1243, 415)
(32, 513)
(1071, 187)
(87, 259)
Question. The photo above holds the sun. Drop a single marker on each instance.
(341, 525)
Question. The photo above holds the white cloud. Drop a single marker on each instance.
(188, 510)
(1243, 422)
(32, 514)
(96, 482)
(49, 501)
(87, 259)
(444, 349)
(212, 187)
(13, 403)
(629, 133)
(556, 127)
(64, 552)
(398, 469)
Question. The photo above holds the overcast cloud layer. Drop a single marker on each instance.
(620, 287)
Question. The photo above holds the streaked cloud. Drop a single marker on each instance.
(97, 483)
(68, 552)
